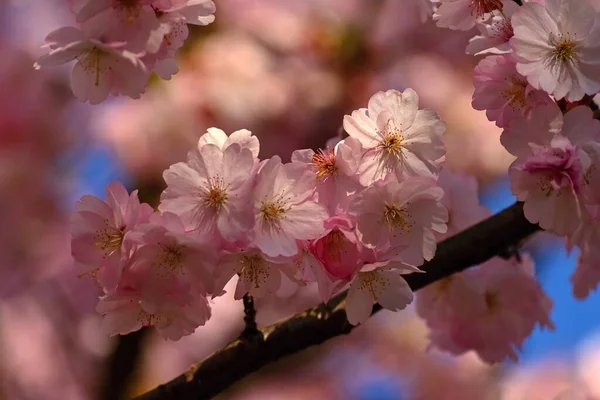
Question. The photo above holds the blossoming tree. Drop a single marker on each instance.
(369, 219)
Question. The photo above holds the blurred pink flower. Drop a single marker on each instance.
(461, 199)
(510, 303)
(102, 68)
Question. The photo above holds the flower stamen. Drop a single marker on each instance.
(325, 163)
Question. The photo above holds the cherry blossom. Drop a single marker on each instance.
(99, 232)
(403, 215)
(338, 248)
(168, 258)
(556, 46)
(378, 282)
(462, 14)
(242, 137)
(495, 32)
(553, 166)
(259, 274)
(508, 305)
(335, 173)
(179, 315)
(397, 137)
(125, 21)
(587, 236)
(502, 92)
(210, 192)
(283, 208)
(102, 68)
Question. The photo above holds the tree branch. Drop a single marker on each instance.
(317, 324)
(250, 328)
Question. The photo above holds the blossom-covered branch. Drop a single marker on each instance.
(206, 379)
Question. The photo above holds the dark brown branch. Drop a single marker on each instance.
(121, 366)
(315, 325)
(250, 328)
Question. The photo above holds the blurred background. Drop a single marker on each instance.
(288, 71)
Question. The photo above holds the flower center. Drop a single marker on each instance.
(480, 7)
(397, 217)
(442, 287)
(168, 261)
(109, 240)
(216, 196)
(325, 163)
(147, 319)
(372, 282)
(515, 93)
(564, 49)
(253, 270)
(491, 301)
(130, 7)
(334, 243)
(272, 211)
(392, 139)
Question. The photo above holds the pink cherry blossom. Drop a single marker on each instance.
(495, 32)
(553, 167)
(259, 274)
(397, 137)
(242, 137)
(173, 17)
(99, 229)
(502, 92)
(587, 236)
(210, 192)
(556, 45)
(438, 303)
(284, 209)
(133, 22)
(102, 67)
(378, 282)
(508, 305)
(338, 248)
(462, 14)
(195, 12)
(402, 215)
(335, 174)
(308, 268)
(178, 315)
(169, 260)
(462, 202)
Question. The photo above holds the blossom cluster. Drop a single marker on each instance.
(119, 43)
(536, 82)
(359, 215)
(490, 308)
